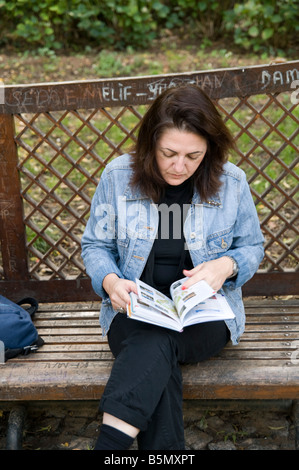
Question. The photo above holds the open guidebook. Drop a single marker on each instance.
(199, 303)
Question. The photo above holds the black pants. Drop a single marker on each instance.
(145, 385)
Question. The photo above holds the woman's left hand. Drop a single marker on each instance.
(214, 272)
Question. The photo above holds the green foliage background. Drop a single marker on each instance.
(257, 25)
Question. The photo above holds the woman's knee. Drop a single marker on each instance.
(128, 333)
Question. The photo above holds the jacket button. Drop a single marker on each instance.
(223, 244)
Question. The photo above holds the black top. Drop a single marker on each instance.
(169, 255)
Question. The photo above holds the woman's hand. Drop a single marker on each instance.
(118, 290)
(214, 272)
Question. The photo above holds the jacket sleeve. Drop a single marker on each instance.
(247, 246)
(99, 247)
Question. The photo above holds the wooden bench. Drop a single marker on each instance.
(54, 140)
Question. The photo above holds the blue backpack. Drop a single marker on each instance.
(17, 330)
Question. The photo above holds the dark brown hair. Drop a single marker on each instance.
(185, 108)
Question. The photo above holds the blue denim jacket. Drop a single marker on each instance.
(123, 224)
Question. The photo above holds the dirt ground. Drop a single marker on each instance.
(208, 426)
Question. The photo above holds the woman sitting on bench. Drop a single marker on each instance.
(180, 159)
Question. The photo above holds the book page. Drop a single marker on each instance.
(213, 308)
(185, 300)
(155, 299)
(137, 310)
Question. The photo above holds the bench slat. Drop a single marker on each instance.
(211, 380)
(71, 339)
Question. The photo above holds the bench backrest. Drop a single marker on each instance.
(56, 138)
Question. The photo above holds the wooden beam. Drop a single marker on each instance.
(89, 94)
(71, 290)
(12, 228)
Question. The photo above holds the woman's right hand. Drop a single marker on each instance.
(118, 290)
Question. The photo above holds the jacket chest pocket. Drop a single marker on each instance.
(220, 242)
(134, 222)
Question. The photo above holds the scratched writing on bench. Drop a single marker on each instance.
(278, 77)
(141, 90)
(63, 366)
(42, 96)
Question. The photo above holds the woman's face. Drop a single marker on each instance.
(178, 154)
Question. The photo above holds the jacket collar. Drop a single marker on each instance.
(131, 194)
